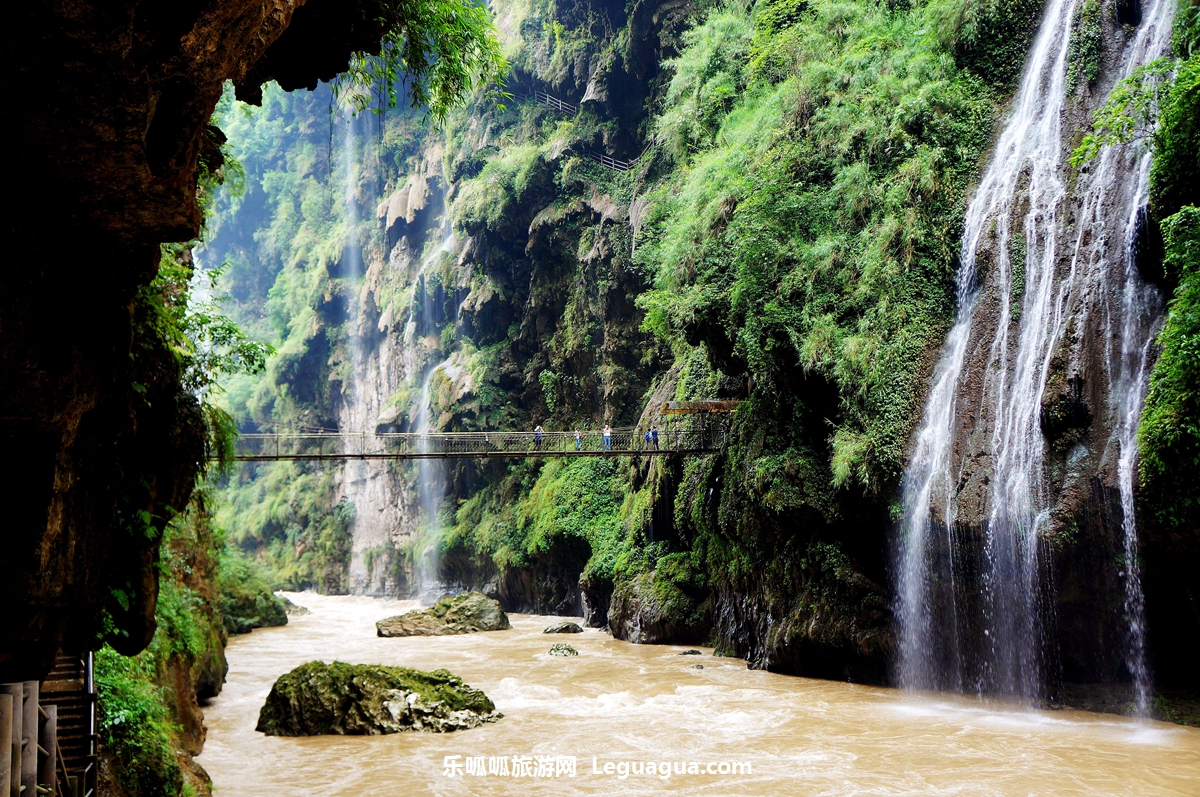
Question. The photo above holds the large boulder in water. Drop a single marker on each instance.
(460, 614)
(565, 627)
(367, 699)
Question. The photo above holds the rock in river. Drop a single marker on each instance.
(565, 627)
(563, 649)
(366, 699)
(460, 614)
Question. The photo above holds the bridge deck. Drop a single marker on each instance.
(478, 445)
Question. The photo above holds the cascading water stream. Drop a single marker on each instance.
(352, 270)
(1030, 144)
(431, 473)
(431, 478)
(1122, 174)
(969, 611)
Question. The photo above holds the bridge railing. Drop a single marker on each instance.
(365, 445)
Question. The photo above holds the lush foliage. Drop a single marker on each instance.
(1130, 113)
(288, 513)
(581, 499)
(245, 595)
(438, 50)
(138, 708)
(135, 726)
(814, 244)
(1169, 436)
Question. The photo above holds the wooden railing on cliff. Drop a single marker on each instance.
(607, 161)
(50, 727)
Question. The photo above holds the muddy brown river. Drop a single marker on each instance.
(618, 711)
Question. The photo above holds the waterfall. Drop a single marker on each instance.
(971, 602)
(1132, 311)
(431, 485)
(431, 473)
(354, 471)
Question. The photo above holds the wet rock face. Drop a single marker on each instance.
(562, 649)
(317, 699)
(642, 614)
(461, 614)
(95, 428)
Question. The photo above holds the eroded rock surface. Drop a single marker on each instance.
(317, 699)
(460, 614)
(101, 432)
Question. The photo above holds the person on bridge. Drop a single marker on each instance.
(654, 436)
(646, 439)
(578, 440)
(537, 437)
(607, 437)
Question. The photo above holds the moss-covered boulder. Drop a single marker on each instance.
(563, 649)
(460, 614)
(367, 699)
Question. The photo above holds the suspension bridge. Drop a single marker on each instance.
(703, 431)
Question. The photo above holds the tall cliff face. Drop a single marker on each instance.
(474, 277)
(102, 445)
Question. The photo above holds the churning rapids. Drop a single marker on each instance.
(622, 702)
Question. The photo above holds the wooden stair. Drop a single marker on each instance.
(70, 687)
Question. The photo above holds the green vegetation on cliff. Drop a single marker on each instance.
(787, 234)
(1164, 100)
(149, 720)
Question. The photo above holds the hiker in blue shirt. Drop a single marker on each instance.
(654, 436)
(537, 438)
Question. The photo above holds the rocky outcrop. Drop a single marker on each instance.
(360, 699)
(564, 628)
(563, 649)
(461, 614)
(292, 609)
(243, 613)
(648, 610)
(102, 444)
